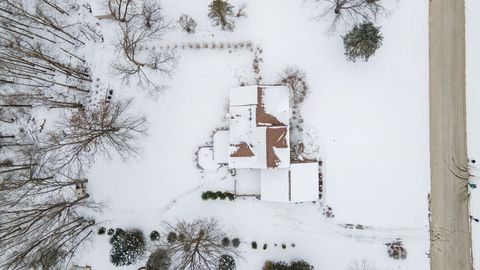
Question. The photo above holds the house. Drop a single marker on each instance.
(259, 138)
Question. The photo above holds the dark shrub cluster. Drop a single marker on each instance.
(226, 262)
(210, 195)
(101, 230)
(159, 260)
(154, 236)
(294, 265)
(127, 247)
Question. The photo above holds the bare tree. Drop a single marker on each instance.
(52, 224)
(198, 245)
(140, 61)
(104, 129)
(121, 10)
(351, 11)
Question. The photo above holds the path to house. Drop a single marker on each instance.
(450, 223)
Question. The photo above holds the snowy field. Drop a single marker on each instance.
(473, 115)
(372, 119)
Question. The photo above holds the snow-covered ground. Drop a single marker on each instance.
(372, 119)
(473, 115)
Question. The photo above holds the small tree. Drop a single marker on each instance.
(187, 23)
(295, 79)
(159, 260)
(127, 247)
(362, 41)
(221, 13)
(226, 262)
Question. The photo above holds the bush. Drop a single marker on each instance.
(230, 196)
(295, 80)
(110, 231)
(265, 246)
(171, 237)
(127, 247)
(154, 236)
(226, 262)
(254, 245)
(300, 265)
(235, 242)
(362, 41)
(187, 23)
(284, 246)
(225, 242)
(294, 265)
(221, 13)
(221, 195)
(101, 230)
(159, 260)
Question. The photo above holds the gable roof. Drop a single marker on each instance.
(259, 134)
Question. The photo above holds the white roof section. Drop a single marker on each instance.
(274, 185)
(304, 181)
(245, 95)
(220, 146)
(299, 183)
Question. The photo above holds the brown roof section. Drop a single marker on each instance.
(263, 118)
(243, 150)
(276, 137)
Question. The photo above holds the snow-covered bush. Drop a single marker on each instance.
(226, 262)
(236, 242)
(127, 247)
(226, 241)
(159, 260)
(362, 41)
(187, 23)
(172, 237)
(154, 236)
(221, 13)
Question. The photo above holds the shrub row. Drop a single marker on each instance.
(210, 195)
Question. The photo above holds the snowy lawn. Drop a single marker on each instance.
(372, 119)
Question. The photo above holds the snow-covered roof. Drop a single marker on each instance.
(274, 185)
(299, 183)
(259, 134)
(304, 181)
